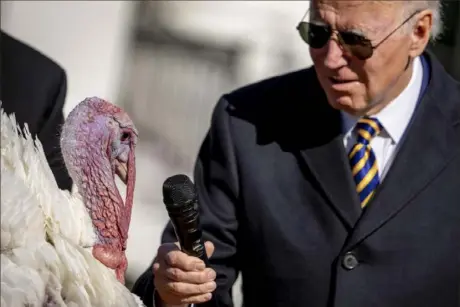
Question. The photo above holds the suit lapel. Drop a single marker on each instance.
(428, 146)
(326, 160)
(329, 165)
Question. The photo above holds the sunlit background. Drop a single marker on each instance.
(167, 63)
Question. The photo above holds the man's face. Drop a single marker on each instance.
(364, 84)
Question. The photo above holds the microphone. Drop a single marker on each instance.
(180, 199)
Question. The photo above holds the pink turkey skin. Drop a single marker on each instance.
(112, 257)
(109, 215)
(91, 140)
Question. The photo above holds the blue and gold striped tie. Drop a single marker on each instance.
(362, 159)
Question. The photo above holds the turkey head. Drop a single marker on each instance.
(98, 142)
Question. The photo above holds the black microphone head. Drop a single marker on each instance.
(178, 191)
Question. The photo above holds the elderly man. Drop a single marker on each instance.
(337, 185)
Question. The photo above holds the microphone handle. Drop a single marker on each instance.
(198, 250)
(186, 223)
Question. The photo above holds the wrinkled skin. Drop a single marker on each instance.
(375, 82)
(98, 142)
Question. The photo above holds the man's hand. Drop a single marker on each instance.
(182, 279)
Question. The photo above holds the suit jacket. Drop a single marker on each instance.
(34, 88)
(278, 200)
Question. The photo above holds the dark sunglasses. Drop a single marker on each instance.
(317, 36)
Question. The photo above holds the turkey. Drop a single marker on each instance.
(61, 248)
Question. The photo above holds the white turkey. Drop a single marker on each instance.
(60, 248)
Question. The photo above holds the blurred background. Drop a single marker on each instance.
(167, 63)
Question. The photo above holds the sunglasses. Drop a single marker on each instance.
(357, 45)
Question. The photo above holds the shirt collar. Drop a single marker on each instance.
(396, 115)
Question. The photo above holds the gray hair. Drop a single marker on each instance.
(435, 6)
(410, 6)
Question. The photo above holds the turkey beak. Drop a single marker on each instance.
(121, 170)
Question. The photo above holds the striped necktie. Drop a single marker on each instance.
(362, 159)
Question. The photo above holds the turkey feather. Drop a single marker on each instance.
(47, 234)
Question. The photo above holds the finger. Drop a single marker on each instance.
(158, 262)
(209, 248)
(197, 299)
(180, 260)
(165, 248)
(182, 289)
(159, 265)
(175, 274)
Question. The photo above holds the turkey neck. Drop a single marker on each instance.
(103, 201)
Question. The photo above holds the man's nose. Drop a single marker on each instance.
(334, 55)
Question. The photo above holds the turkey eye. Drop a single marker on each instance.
(125, 136)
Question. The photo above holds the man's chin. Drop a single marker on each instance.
(340, 101)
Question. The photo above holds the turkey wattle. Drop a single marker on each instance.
(60, 248)
(98, 141)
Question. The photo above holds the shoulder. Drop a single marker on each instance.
(273, 110)
(271, 89)
(32, 85)
(270, 97)
(443, 85)
(21, 59)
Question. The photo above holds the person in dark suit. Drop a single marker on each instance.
(33, 87)
(336, 185)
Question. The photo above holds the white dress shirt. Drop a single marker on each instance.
(394, 118)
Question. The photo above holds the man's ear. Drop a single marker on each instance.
(421, 32)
